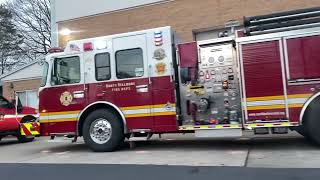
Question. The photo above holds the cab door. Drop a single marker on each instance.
(63, 100)
(8, 120)
(132, 85)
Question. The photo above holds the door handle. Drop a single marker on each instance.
(142, 88)
(78, 94)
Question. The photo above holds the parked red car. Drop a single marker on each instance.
(17, 120)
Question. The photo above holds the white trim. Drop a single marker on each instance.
(293, 33)
(276, 102)
(244, 102)
(304, 108)
(107, 103)
(284, 79)
(265, 103)
(59, 116)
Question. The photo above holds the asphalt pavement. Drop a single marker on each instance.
(147, 172)
(171, 157)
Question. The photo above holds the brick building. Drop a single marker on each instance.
(191, 19)
(25, 82)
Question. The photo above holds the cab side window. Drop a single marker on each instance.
(129, 63)
(102, 66)
(3, 103)
(66, 71)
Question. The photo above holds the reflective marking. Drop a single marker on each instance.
(276, 102)
(30, 129)
(133, 111)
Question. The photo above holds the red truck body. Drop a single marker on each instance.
(142, 83)
(14, 122)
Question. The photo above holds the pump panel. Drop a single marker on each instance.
(214, 96)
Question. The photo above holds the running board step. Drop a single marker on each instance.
(145, 137)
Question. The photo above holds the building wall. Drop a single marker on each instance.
(81, 8)
(24, 85)
(183, 15)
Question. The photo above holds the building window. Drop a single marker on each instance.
(28, 98)
(102, 64)
(66, 71)
(129, 63)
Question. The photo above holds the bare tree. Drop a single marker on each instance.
(32, 19)
(10, 41)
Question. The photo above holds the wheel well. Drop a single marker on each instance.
(94, 107)
(27, 118)
(314, 105)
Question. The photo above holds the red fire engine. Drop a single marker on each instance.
(17, 120)
(263, 79)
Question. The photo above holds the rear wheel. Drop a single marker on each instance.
(312, 122)
(22, 138)
(103, 131)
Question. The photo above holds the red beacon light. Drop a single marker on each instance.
(55, 50)
(87, 46)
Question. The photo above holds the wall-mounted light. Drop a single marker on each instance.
(65, 32)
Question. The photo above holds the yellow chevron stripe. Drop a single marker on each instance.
(299, 96)
(295, 105)
(265, 98)
(145, 107)
(150, 114)
(60, 113)
(62, 120)
(276, 106)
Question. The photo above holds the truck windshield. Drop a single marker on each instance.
(44, 74)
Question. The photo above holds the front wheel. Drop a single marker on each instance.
(25, 139)
(22, 138)
(311, 121)
(103, 131)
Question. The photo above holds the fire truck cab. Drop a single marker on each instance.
(142, 83)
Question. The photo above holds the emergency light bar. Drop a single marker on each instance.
(55, 50)
(87, 46)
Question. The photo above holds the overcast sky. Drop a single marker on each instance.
(2, 1)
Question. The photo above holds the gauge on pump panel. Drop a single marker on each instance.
(221, 59)
(211, 60)
(213, 72)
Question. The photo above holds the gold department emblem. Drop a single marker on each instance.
(66, 98)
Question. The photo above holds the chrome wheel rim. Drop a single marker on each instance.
(100, 131)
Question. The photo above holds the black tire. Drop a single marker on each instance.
(22, 138)
(303, 132)
(312, 122)
(116, 137)
(1, 138)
